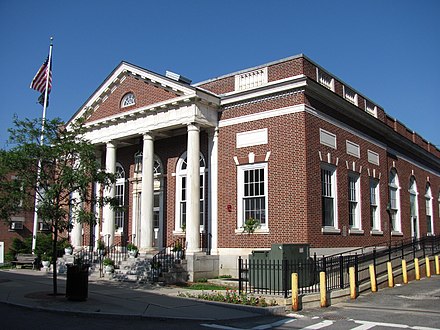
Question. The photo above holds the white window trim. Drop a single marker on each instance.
(335, 228)
(395, 185)
(240, 194)
(179, 175)
(121, 182)
(357, 226)
(125, 97)
(376, 228)
(429, 199)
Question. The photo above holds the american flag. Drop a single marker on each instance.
(39, 81)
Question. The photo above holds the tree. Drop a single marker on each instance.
(59, 172)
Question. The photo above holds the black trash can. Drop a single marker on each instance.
(77, 284)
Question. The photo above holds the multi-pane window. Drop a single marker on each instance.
(120, 196)
(254, 199)
(374, 205)
(182, 191)
(413, 206)
(394, 201)
(328, 193)
(353, 201)
(252, 194)
(128, 100)
(428, 202)
(138, 162)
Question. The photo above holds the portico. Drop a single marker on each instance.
(186, 115)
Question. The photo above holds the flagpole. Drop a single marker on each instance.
(43, 120)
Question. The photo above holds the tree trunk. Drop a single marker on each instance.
(54, 260)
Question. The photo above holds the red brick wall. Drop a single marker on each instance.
(145, 94)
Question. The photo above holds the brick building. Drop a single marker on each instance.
(286, 143)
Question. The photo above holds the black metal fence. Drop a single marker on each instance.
(274, 276)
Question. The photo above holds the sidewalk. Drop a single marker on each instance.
(33, 289)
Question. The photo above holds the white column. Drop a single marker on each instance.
(76, 233)
(108, 214)
(213, 190)
(193, 198)
(135, 217)
(147, 193)
(98, 210)
(97, 231)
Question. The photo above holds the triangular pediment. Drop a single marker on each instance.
(148, 89)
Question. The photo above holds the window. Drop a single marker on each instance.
(328, 187)
(182, 192)
(413, 206)
(429, 220)
(128, 100)
(353, 201)
(252, 194)
(138, 162)
(374, 205)
(120, 196)
(394, 201)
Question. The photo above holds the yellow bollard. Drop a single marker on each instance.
(428, 267)
(390, 274)
(323, 289)
(404, 272)
(417, 268)
(352, 283)
(372, 278)
(437, 266)
(295, 301)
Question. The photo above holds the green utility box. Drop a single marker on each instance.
(272, 269)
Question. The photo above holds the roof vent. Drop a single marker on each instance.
(177, 77)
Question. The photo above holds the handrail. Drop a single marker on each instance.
(165, 259)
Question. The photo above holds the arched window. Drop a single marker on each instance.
(182, 189)
(128, 100)
(120, 196)
(394, 201)
(413, 207)
(429, 218)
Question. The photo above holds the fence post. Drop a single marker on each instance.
(403, 252)
(240, 284)
(341, 271)
(374, 259)
(286, 277)
(424, 246)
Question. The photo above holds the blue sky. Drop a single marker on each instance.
(386, 49)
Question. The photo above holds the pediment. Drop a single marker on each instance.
(148, 88)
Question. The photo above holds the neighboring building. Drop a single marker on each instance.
(286, 143)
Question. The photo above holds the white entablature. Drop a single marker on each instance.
(152, 121)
